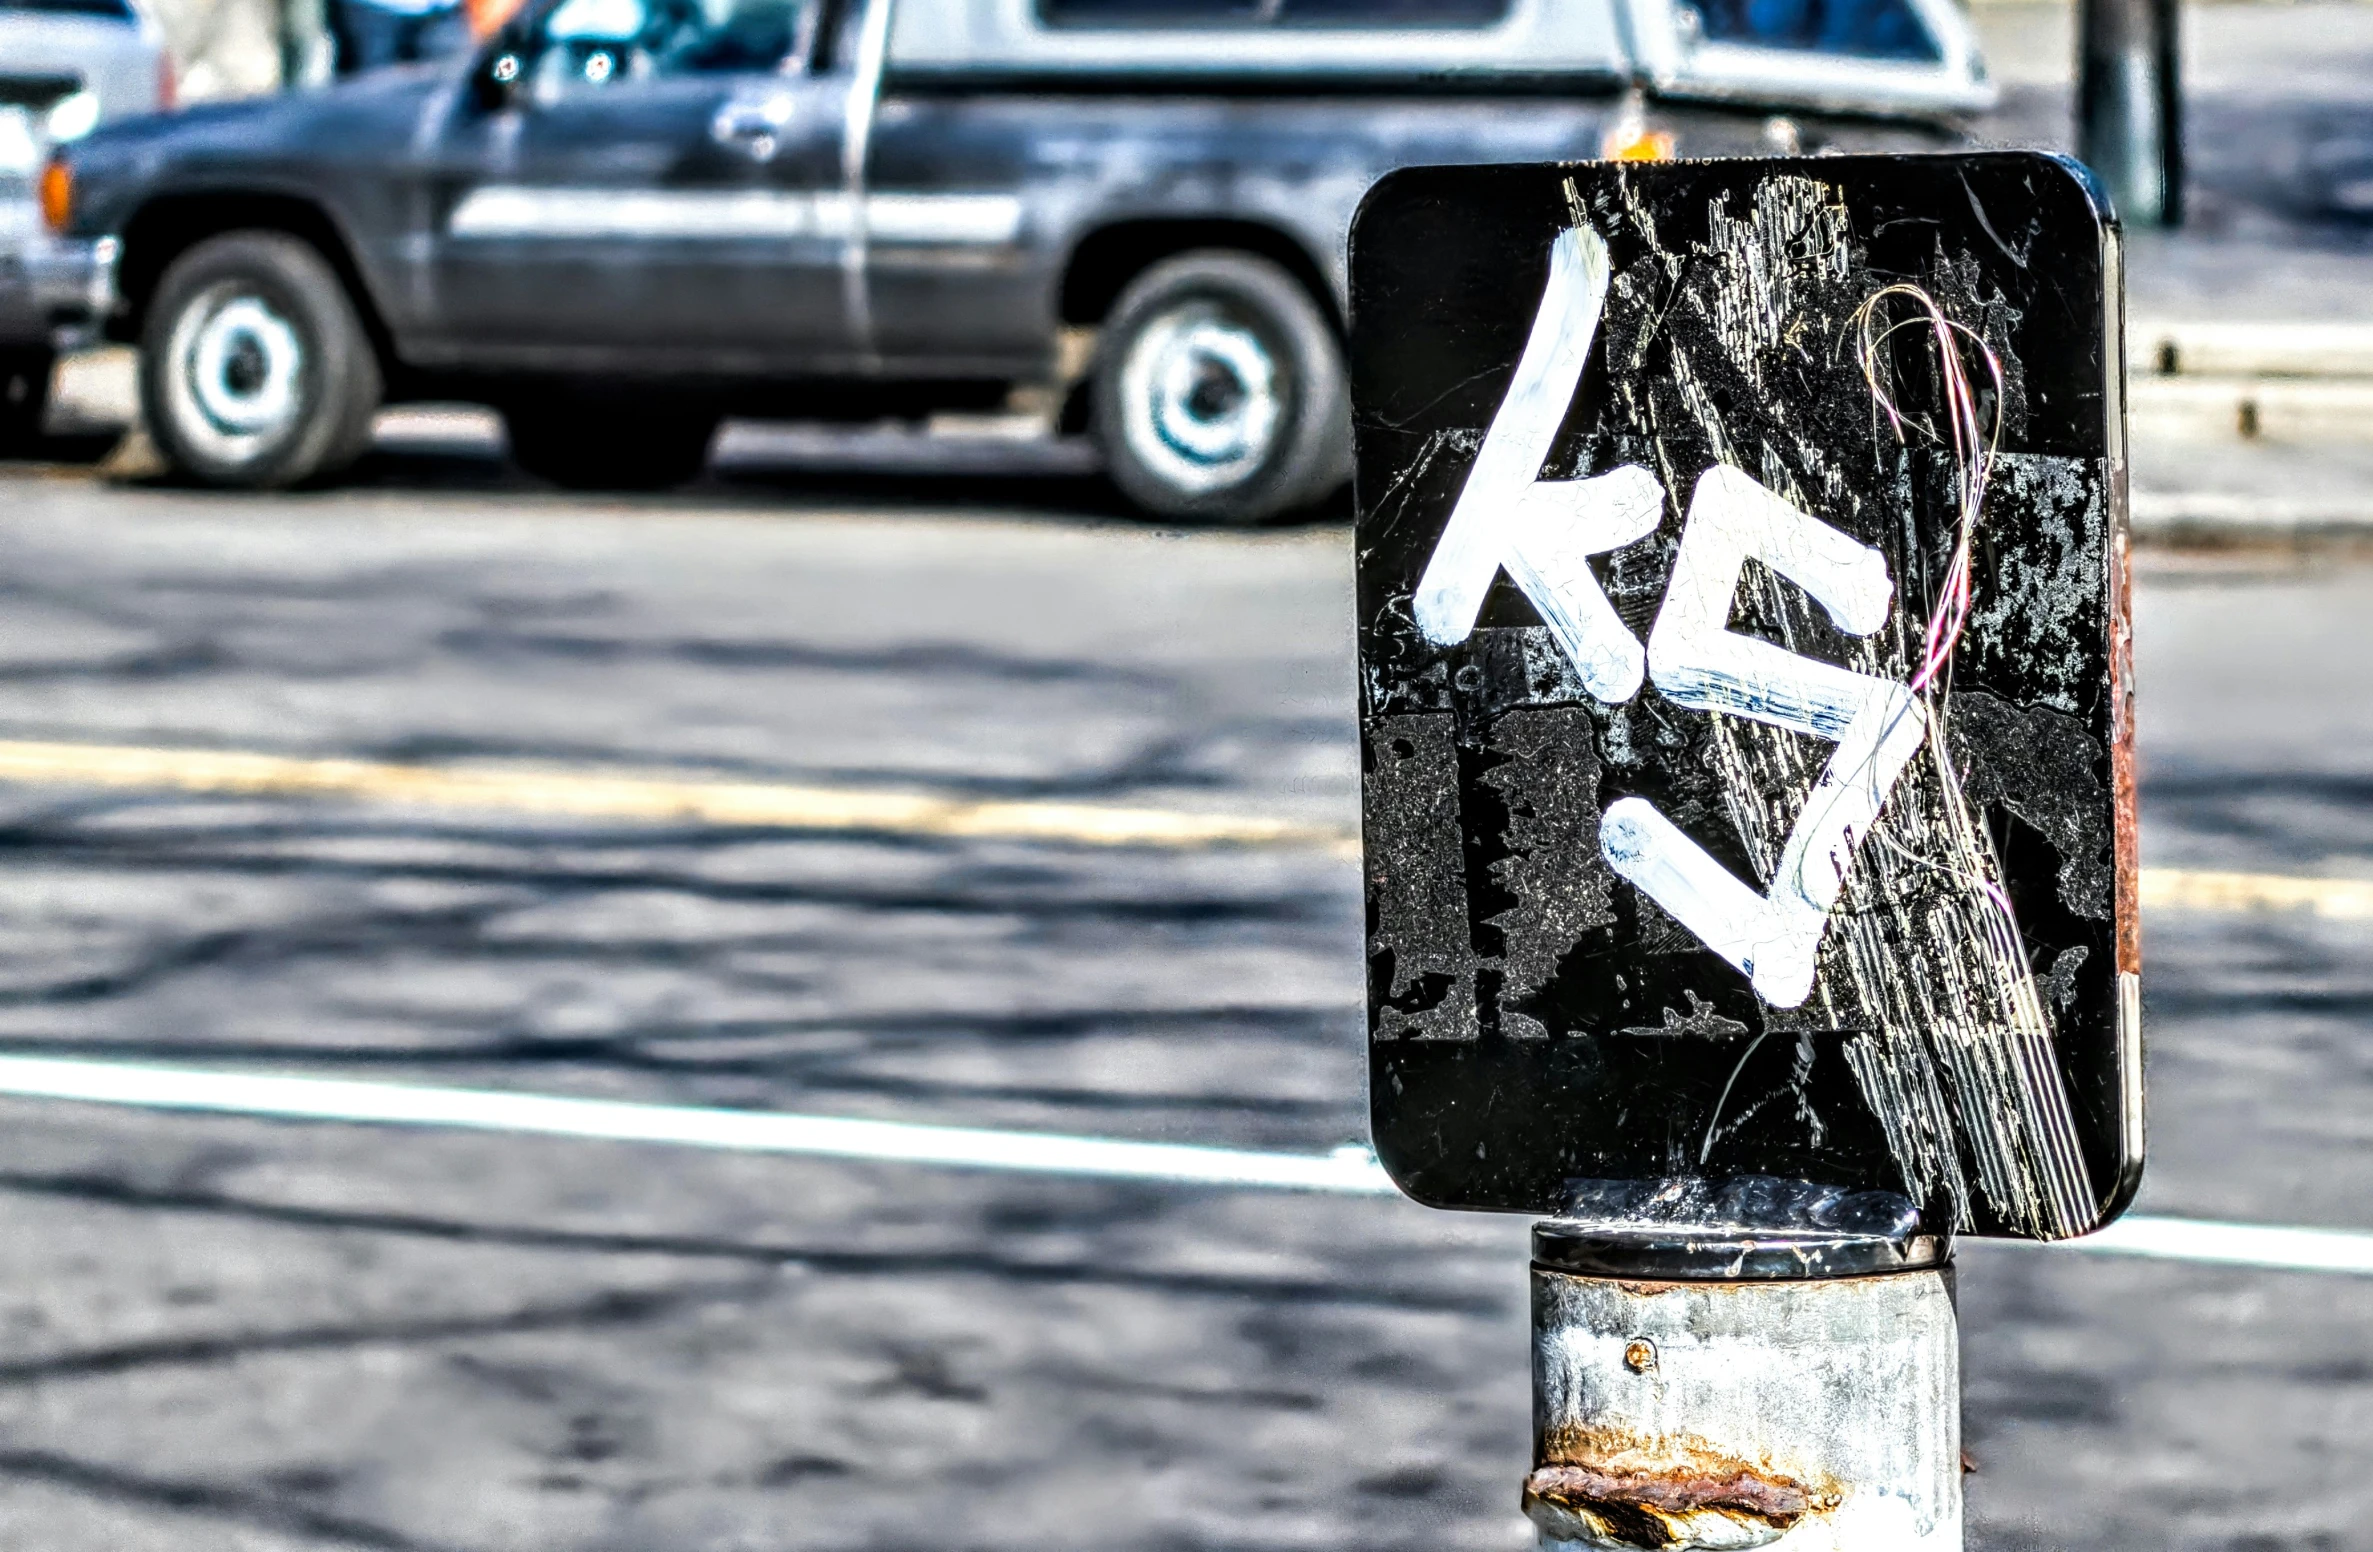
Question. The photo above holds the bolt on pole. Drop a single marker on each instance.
(2129, 110)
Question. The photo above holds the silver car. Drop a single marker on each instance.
(65, 67)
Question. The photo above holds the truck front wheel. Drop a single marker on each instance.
(1219, 393)
(255, 373)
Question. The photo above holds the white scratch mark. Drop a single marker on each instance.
(1923, 969)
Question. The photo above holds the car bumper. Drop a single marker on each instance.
(56, 291)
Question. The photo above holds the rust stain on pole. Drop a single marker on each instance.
(1719, 1416)
(1608, 1487)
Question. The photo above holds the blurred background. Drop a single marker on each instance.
(897, 665)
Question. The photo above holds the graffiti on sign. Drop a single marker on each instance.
(1744, 684)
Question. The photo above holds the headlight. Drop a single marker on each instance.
(74, 117)
(57, 195)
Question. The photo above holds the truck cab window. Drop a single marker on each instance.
(597, 43)
(1272, 13)
(1867, 29)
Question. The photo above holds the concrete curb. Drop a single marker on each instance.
(2223, 518)
(2250, 409)
(2171, 349)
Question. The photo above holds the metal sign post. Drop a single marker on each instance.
(1749, 819)
(2129, 104)
(1723, 1389)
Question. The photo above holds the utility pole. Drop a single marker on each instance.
(2129, 105)
(1688, 929)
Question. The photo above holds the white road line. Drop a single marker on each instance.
(1348, 1171)
(2267, 1245)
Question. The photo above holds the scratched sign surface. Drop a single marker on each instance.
(1710, 831)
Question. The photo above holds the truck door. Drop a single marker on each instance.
(955, 285)
(654, 184)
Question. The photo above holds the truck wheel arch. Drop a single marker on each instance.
(1105, 259)
(169, 225)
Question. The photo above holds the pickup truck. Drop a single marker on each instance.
(621, 220)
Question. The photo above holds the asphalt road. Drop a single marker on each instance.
(218, 1333)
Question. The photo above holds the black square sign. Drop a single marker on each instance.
(1744, 684)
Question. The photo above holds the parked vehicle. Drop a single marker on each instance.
(65, 67)
(624, 219)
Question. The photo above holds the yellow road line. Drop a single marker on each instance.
(764, 805)
(2186, 889)
(601, 796)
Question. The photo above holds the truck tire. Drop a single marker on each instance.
(255, 372)
(1219, 393)
(24, 398)
(592, 445)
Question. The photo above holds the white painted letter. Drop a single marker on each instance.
(1544, 531)
(1697, 661)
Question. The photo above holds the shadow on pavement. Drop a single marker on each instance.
(754, 464)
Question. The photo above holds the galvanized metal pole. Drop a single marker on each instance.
(1721, 1389)
(2129, 111)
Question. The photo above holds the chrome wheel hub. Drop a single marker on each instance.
(1202, 399)
(237, 369)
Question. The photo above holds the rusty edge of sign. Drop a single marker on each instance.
(1348, 1171)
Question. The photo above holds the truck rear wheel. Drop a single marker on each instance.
(582, 444)
(255, 373)
(1219, 391)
